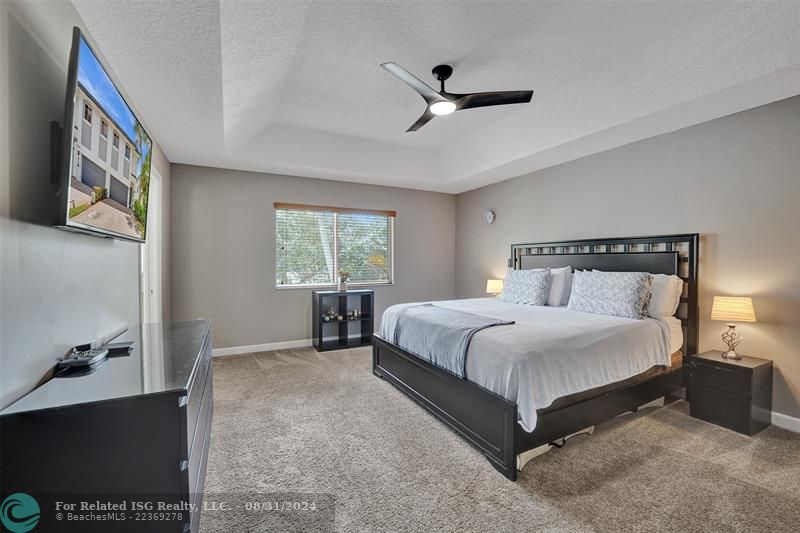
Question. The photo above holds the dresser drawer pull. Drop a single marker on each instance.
(184, 464)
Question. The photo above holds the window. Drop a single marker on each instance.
(313, 243)
(87, 113)
(127, 151)
(115, 141)
(104, 128)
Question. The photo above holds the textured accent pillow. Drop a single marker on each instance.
(665, 295)
(526, 286)
(624, 294)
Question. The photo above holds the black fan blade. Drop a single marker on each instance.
(467, 101)
(427, 92)
(421, 121)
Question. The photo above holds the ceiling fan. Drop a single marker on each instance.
(444, 103)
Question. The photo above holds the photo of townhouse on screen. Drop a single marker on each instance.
(110, 156)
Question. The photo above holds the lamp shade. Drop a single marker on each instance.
(494, 286)
(733, 309)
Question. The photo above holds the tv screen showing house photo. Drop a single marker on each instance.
(110, 156)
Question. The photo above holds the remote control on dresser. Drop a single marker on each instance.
(83, 358)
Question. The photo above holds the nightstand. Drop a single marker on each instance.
(733, 394)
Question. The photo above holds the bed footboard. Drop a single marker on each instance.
(485, 419)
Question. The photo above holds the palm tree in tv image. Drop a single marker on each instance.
(144, 147)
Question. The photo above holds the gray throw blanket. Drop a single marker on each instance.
(439, 335)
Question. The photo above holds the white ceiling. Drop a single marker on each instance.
(295, 86)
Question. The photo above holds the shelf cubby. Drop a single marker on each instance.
(339, 334)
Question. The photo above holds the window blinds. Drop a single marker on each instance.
(313, 243)
(304, 251)
(365, 246)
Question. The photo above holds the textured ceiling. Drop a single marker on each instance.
(295, 87)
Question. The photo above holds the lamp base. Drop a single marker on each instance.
(732, 339)
(730, 354)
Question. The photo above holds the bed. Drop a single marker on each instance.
(511, 401)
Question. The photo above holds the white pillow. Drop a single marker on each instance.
(526, 286)
(560, 285)
(666, 297)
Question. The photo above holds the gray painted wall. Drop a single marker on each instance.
(56, 288)
(735, 180)
(223, 249)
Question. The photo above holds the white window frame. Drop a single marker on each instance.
(87, 110)
(115, 141)
(350, 284)
(103, 125)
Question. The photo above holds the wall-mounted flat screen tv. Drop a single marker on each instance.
(105, 164)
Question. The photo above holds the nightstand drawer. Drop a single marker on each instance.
(727, 410)
(721, 378)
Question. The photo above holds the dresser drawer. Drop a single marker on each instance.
(201, 433)
(727, 410)
(721, 378)
(196, 495)
(196, 392)
(197, 471)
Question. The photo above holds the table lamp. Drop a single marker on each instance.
(732, 309)
(494, 286)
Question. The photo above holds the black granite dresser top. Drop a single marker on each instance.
(163, 360)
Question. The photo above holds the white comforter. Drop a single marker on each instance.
(552, 352)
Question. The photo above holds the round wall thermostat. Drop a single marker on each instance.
(489, 216)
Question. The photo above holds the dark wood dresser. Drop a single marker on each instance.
(736, 394)
(134, 430)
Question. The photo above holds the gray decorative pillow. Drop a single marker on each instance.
(526, 286)
(624, 294)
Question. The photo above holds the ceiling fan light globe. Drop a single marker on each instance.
(442, 108)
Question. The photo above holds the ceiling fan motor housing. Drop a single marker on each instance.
(442, 72)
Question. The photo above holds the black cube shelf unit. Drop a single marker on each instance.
(345, 333)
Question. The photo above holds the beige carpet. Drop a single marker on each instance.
(298, 421)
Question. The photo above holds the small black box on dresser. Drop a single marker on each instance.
(736, 394)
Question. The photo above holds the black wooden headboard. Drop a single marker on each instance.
(660, 254)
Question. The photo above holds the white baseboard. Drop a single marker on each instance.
(786, 422)
(236, 350)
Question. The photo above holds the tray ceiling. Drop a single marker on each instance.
(295, 87)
